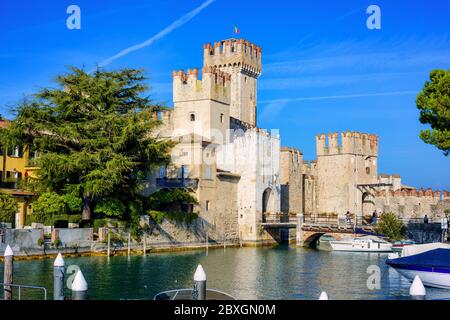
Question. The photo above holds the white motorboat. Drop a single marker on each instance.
(362, 244)
(431, 262)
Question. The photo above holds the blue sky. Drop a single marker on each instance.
(323, 69)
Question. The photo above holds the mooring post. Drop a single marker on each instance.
(417, 290)
(145, 243)
(129, 243)
(199, 292)
(323, 296)
(206, 240)
(58, 278)
(79, 287)
(109, 243)
(299, 230)
(240, 239)
(8, 272)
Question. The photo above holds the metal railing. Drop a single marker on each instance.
(20, 286)
(278, 218)
(186, 294)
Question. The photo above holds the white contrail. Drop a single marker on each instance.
(398, 93)
(174, 25)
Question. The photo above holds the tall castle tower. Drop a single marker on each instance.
(242, 60)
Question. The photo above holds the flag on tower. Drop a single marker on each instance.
(236, 30)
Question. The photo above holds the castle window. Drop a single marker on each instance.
(207, 205)
(222, 118)
(192, 117)
(368, 170)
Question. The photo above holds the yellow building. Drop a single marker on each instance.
(14, 168)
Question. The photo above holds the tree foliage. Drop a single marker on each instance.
(434, 105)
(92, 134)
(171, 196)
(111, 208)
(8, 208)
(50, 206)
(391, 226)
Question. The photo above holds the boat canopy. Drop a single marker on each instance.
(419, 248)
(436, 258)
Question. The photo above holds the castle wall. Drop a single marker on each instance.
(412, 203)
(255, 157)
(340, 167)
(291, 180)
(309, 186)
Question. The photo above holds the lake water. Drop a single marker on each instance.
(280, 272)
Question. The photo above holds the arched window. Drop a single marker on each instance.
(192, 116)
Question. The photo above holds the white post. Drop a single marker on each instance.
(323, 296)
(79, 287)
(58, 278)
(109, 243)
(206, 242)
(145, 243)
(417, 289)
(199, 292)
(240, 239)
(8, 272)
(129, 243)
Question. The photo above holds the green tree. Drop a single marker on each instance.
(92, 134)
(111, 208)
(391, 226)
(48, 204)
(434, 105)
(8, 207)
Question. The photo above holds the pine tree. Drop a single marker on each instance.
(434, 105)
(92, 134)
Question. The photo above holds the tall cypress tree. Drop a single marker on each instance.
(92, 134)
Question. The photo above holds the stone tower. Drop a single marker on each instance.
(201, 106)
(242, 60)
(343, 166)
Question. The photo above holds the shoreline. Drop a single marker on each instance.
(123, 251)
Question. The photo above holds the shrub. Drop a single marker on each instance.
(40, 242)
(50, 207)
(171, 196)
(8, 208)
(391, 226)
(57, 242)
(99, 223)
(111, 208)
(174, 216)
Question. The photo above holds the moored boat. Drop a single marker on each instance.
(362, 244)
(398, 246)
(432, 266)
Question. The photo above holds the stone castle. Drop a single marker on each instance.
(241, 175)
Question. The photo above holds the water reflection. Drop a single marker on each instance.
(247, 273)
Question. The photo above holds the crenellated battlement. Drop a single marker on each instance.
(234, 53)
(291, 150)
(164, 116)
(351, 143)
(413, 193)
(214, 85)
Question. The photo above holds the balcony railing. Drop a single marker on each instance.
(177, 183)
